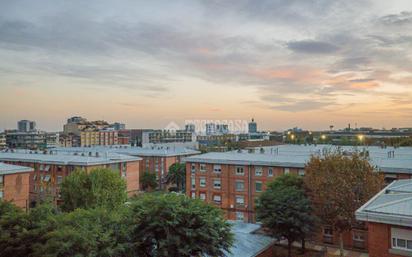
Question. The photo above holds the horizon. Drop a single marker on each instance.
(303, 63)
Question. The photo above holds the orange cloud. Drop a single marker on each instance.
(364, 84)
(302, 74)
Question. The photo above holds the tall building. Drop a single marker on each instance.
(118, 126)
(26, 126)
(31, 139)
(167, 136)
(3, 142)
(252, 126)
(210, 128)
(190, 127)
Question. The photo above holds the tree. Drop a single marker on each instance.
(285, 210)
(177, 176)
(339, 185)
(148, 181)
(177, 226)
(99, 188)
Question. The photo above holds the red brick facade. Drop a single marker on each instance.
(380, 240)
(16, 189)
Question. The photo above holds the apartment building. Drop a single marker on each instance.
(50, 167)
(389, 219)
(14, 184)
(154, 159)
(31, 139)
(3, 143)
(232, 180)
(167, 136)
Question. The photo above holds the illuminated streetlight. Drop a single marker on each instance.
(323, 137)
(292, 137)
(361, 137)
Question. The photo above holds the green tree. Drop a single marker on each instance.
(285, 210)
(177, 176)
(148, 181)
(177, 226)
(339, 185)
(98, 188)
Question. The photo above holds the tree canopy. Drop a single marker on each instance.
(177, 176)
(148, 181)
(338, 186)
(97, 188)
(285, 210)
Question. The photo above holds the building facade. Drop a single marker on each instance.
(14, 184)
(31, 139)
(26, 126)
(50, 168)
(389, 219)
(3, 142)
(167, 136)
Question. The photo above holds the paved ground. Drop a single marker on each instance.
(331, 250)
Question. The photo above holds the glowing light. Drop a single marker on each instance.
(361, 137)
(323, 137)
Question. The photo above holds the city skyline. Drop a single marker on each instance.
(307, 63)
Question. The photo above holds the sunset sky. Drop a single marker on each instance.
(287, 63)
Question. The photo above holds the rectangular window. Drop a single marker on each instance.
(193, 195)
(240, 216)
(240, 171)
(240, 185)
(202, 196)
(193, 168)
(1, 180)
(401, 239)
(217, 169)
(193, 183)
(240, 200)
(258, 171)
(217, 184)
(217, 199)
(286, 170)
(59, 179)
(258, 186)
(202, 167)
(123, 173)
(1, 194)
(202, 182)
(301, 172)
(270, 172)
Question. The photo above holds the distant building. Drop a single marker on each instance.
(167, 136)
(31, 139)
(26, 126)
(389, 219)
(252, 126)
(190, 128)
(14, 184)
(118, 126)
(210, 128)
(222, 129)
(3, 143)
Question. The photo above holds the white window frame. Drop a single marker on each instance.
(202, 182)
(193, 195)
(215, 197)
(239, 181)
(217, 168)
(270, 172)
(258, 171)
(203, 167)
(398, 234)
(242, 202)
(202, 196)
(219, 182)
(286, 170)
(301, 172)
(193, 167)
(193, 182)
(238, 168)
(261, 186)
(240, 216)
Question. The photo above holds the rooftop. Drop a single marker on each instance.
(65, 158)
(393, 205)
(389, 160)
(132, 151)
(247, 243)
(6, 169)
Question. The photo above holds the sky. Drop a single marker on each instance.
(286, 63)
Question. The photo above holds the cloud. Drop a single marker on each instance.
(312, 47)
(397, 19)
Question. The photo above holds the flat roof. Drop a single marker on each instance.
(393, 205)
(6, 169)
(298, 155)
(60, 158)
(162, 151)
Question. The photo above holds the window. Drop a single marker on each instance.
(202, 167)
(47, 178)
(123, 173)
(193, 168)
(1, 180)
(270, 172)
(217, 199)
(240, 200)
(202, 182)
(240, 216)
(401, 239)
(301, 172)
(258, 186)
(217, 169)
(1, 194)
(59, 168)
(240, 171)
(202, 196)
(217, 184)
(193, 195)
(59, 179)
(240, 185)
(124, 167)
(258, 171)
(34, 177)
(286, 171)
(193, 183)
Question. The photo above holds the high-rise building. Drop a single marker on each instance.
(210, 128)
(26, 126)
(118, 126)
(252, 126)
(190, 127)
(3, 143)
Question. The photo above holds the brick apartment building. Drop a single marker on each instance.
(232, 180)
(49, 169)
(14, 184)
(154, 159)
(389, 219)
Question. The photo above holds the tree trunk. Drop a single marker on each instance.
(289, 248)
(341, 244)
(303, 245)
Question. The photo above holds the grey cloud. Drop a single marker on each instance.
(397, 19)
(302, 105)
(312, 47)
